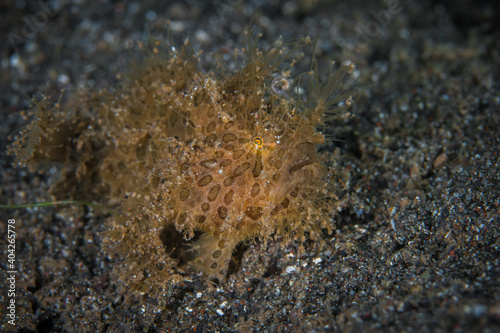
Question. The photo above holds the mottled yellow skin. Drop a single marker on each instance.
(183, 151)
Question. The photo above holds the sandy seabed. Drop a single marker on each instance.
(416, 245)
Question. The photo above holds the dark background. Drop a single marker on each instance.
(416, 247)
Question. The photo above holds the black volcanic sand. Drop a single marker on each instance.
(416, 247)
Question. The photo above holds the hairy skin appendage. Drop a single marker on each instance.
(194, 162)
